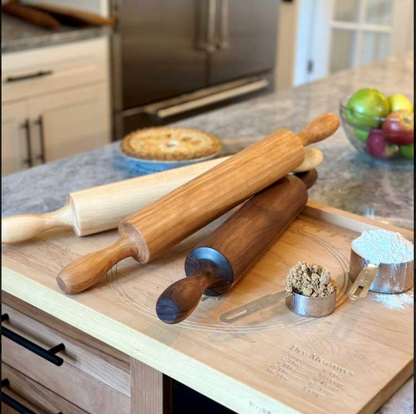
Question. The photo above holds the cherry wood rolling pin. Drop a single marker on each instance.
(101, 208)
(31, 15)
(157, 227)
(73, 17)
(224, 257)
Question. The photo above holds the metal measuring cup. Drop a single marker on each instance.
(382, 278)
(309, 306)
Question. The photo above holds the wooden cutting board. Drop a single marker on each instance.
(275, 362)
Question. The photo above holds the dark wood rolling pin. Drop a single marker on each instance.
(221, 260)
(157, 227)
(29, 14)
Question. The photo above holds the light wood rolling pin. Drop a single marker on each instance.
(101, 208)
(157, 227)
(224, 257)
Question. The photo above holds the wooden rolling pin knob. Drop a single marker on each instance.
(181, 298)
(159, 226)
(221, 260)
(86, 276)
(102, 208)
(23, 227)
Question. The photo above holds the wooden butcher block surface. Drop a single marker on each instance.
(274, 362)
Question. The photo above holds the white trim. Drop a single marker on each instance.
(313, 40)
(358, 51)
(359, 26)
(321, 39)
(303, 38)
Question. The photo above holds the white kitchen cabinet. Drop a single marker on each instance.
(36, 72)
(55, 103)
(15, 154)
(70, 122)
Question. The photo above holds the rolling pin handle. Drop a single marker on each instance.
(86, 271)
(23, 227)
(319, 129)
(308, 177)
(181, 298)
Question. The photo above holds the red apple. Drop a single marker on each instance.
(378, 147)
(398, 128)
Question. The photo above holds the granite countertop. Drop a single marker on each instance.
(17, 35)
(346, 180)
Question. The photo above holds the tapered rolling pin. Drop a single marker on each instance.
(157, 227)
(31, 15)
(221, 260)
(102, 208)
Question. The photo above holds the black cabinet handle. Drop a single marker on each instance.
(29, 159)
(48, 354)
(12, 403)
(39, 74)
(42, 155)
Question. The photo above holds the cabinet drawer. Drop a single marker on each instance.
(110, 370)
(40, 71)
(92, 381)
(33, 395)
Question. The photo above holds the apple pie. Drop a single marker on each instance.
(170, 144)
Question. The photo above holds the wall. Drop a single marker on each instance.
(286, 41)
(411, 29)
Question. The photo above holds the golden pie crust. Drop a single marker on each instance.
(170, 144)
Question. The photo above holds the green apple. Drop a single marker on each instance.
(408, 151)
(399, 102)
(364, 105)
(361, 134)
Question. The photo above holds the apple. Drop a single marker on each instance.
(364, 105)
(398, 127)
(399, 102)
(361, 134)
(378, 147)
(408, 151)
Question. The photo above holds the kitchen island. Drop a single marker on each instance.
(346, 180)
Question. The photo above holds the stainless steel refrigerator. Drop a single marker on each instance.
(175, 58)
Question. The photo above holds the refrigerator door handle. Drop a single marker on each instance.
(239, 91)
(224, 41)
(209, 45)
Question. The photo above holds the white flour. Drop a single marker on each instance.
(395, 301)
(382, 246)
